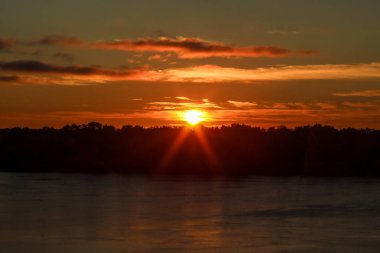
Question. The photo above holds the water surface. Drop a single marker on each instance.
(113, 213)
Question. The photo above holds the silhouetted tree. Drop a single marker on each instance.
(235, 150)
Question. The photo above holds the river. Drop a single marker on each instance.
(114, 213)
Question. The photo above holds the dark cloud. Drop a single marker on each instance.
(167, 44)
(197, 48)
(182, 46)
(268, 50)
(59, 40)
(9, 78)
(6, 44)
(41, 67)
(37, 72)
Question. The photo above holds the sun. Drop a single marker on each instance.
(194, 117)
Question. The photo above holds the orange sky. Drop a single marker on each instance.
(126, 62)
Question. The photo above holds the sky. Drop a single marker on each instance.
(258, 62)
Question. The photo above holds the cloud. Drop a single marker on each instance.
(291, 114)
(183, 47)
(316, 106)
(325, 106)
(154, 57)
(53, 40)
(160, 33)
(259, 117)
(290, 105)
(213, 73)
(362, 93)
(65, 57)
(6, 44)
(273, 117)
(198, 48)
(167, 105)
(242, 104)
(61, 118)
(233, 105)
(40, 72)
(41, 67)
(368, 105)
(9, 78)
(283, 31)
(183, 98)
(44, 73)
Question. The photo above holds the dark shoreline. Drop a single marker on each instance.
(226, 152)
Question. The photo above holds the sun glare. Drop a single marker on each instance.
(194, 117)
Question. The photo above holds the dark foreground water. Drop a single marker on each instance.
(91, 213)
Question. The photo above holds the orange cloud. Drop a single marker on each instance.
(197, 48)
(362, 93)
(242, 104)
(164, 105)
(368, 105)
(168, 113)
(212, 73)
(40, 72)
(61, 118)
(183, 98)
(183, 47)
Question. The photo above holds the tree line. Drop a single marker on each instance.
(226, 151)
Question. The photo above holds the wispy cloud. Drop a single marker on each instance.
(6, 44)
(183, 47)
(40, 72)
(362, 93)
(64, 56)
(325, 106)
(35, 70)
(366, 105)
(41, 67)
(183, 98)
(213, 73)
(169, 113)
(9, 78)
(242, 104)
(283, 31)
(198, 48)
(173, 105)
(54, 40)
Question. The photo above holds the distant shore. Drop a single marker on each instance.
(227, 151)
